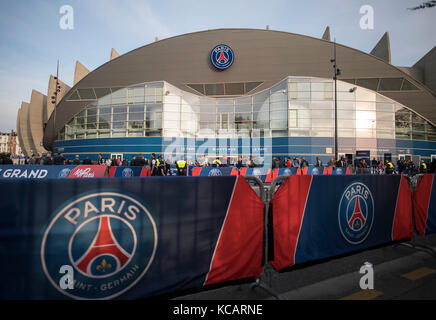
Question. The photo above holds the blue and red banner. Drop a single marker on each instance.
(34, 172)
(125, 172)
(424, 205)
(217, 171)
(126, 239)
(317, 217)
(51, 171)
(88, 171)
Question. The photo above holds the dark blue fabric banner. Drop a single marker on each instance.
(216, 171)
(260, 173)
(35, 171)
(317, 217)
(424, 205)
(127, 172)
(287, 171)
(126, 238)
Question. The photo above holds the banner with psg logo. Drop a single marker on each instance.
(321, 216)
(51, 171)
(125, 172)
(35, 171)
(126, 238)
(424, 205)
(218, 171)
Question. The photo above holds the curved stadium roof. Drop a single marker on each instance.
(263, 56)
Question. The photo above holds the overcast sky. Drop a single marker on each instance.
(31, 39)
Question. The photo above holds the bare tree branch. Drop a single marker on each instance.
(427, 4)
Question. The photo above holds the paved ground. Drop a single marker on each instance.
(400, 272)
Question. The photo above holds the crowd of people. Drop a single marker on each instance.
(373, 166)
(162, 167)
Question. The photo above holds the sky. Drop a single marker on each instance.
(31, 39)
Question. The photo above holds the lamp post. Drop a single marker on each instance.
(54, 100)
(336, 73)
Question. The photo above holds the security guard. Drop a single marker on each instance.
(181, 167)
(423, 167)
(216, 162)
(389, 167)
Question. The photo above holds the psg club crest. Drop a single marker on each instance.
(108, 238)
(257, 173)
(221, 56)
(315, 171)
(287, 172)
(215, 172)
(64, 173)
(127, 172)
(356, 213)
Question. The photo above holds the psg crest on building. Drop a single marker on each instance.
(356, 213)
(108, 238)
(222, 56)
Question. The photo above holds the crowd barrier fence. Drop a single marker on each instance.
(424, 204)
(214, 230)
(123, 239)
(364, 212)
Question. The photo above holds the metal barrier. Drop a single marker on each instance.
(267, 270)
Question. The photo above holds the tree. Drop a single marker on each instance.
(428, 4)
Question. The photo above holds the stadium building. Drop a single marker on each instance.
(240, 92)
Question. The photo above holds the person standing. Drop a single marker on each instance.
(76, 160)
(374, 165)
(86, 161)
(389, 167)
(181, 167)
(161, 167)
(217, 162)
(32, 160)
(100, 159)
(59, 159)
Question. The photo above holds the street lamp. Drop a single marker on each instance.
(336, 73)
(54, 99)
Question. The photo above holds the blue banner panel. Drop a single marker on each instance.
(127, 172)
(216, 171)
(34, 171)
(424, 205)
(317, 217)
(260, 173)
(125, 238)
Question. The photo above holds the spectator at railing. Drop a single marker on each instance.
(76, 160)
(86, 161)
(303, 163)
(422, 167)
(59, 159)
(100, 159)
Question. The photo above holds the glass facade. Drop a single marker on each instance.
(295, 107)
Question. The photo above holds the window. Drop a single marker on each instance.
(214, 89)
(390, 84)
(234, 88)
(74, 96)
(368, 83)
(224, 120)
(87, 94)
(408, 86)
(292, 118)
(101, 92)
